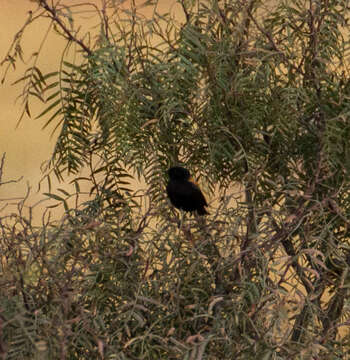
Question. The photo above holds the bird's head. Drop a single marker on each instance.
(179, 173)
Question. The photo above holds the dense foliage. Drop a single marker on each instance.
(254, 96)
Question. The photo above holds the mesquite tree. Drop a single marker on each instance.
(253, 97)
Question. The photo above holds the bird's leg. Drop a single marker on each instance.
(186, 232)
(180, 222)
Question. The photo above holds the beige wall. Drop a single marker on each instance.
(28, 146)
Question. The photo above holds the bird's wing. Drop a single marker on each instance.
(198, 194)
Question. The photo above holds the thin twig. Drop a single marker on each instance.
(54, 16)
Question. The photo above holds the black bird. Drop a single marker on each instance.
(183, 193)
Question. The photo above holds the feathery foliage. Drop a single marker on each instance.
(252, 95)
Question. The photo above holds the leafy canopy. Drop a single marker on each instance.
(252, 95)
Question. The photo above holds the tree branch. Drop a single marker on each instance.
(54, 16)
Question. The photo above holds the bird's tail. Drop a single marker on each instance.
(202, 211)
